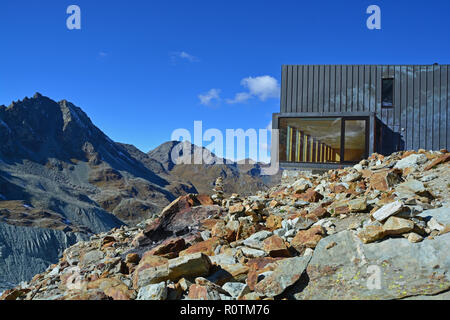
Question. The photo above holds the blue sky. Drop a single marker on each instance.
(141, 69)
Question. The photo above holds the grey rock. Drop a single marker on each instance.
(280, 232)
(388, 210)
(157, 291)
(409, 189)
(302, 223)
(442, 215)
(253, 253)
(348, 270)
(411, 161)
(287, 273)
(234, 289)
(205, 234)
(222, 259)
(351, 177)
(300, 203)
(192, 265)
(255, 240)
(92, 257)
(433, 224)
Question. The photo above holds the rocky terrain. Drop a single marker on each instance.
(63, 180)
(378, 230)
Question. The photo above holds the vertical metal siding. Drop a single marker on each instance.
(283, 96)
(410, 108)
(402, 113)
(436, 107)
(421, 93)
(444, 140)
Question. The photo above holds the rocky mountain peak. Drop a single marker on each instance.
(181, 151)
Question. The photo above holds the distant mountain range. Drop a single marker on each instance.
(62, 179)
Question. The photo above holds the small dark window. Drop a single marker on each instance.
(387, 93)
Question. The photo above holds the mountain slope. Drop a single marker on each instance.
(62, 179)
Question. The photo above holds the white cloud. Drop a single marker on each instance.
(207, 98)
(240, 97)
(263, 88)
(183, 55)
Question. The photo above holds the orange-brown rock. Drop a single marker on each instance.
(275, 247)
(220, 230)
(108, 239)
(310, 195)
(209, 223)
(205, 200)
(384, 180)
(236, 272)
(199, 292)
(258, 266)
(169, 248)
(274, 203)
(339, 188)
(207, 247)
(90, 295)
(151, 269)
(112, 287)
(307, 238)
(273, 222)
(371, 234)
(277, 193)
(236, 208)
(319, 213)
(246, 229)
(132, 258)
(441, 159)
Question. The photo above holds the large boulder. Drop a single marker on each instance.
(391, 269)
(180, 217)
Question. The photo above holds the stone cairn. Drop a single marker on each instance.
(217, 197)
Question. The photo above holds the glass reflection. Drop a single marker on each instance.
(355, 140)
(313, 140)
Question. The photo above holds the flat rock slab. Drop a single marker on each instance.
(388, 210)
(442, 215)
(350, 269)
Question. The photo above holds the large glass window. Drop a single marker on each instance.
(355, 140)
(322, 140)
(316, 140)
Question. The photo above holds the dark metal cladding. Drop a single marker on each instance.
(419, 116)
